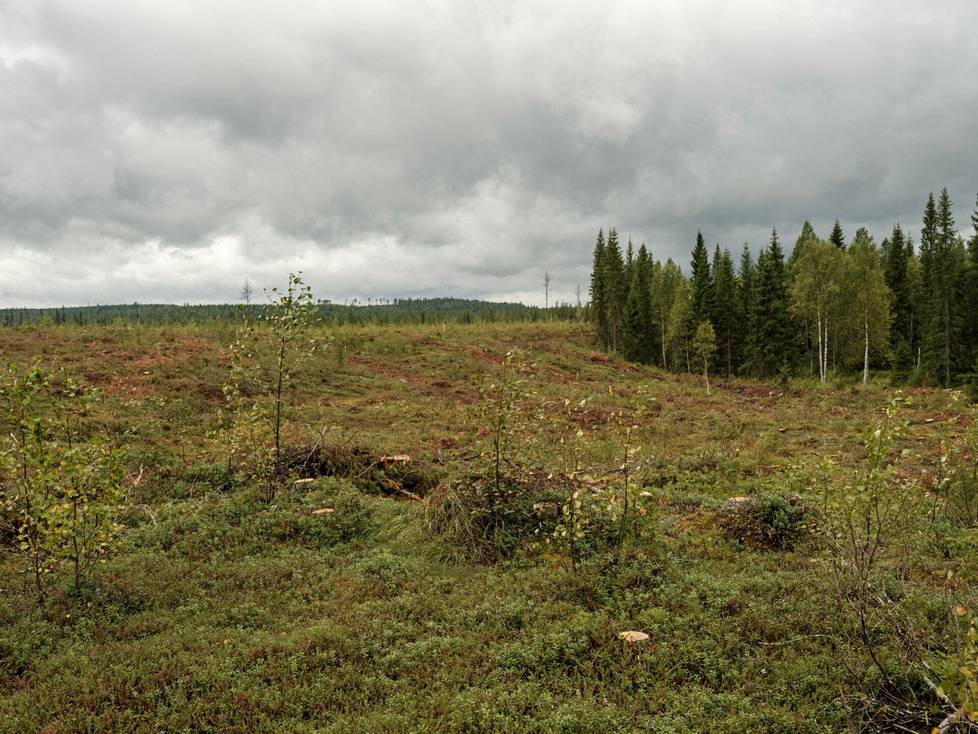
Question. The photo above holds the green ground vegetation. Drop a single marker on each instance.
(470, 516)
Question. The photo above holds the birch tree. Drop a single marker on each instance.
(871, 295)
(819, 276)
(704, 347)
(677, 324)
(667, 286)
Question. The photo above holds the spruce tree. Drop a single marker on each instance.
(745, 301)
(837, 238)
(971, 296)
(942, 260)
(650, 345)
(631, 325)
(807, 235)
(973, 240)
(655, 282)
(615, 288)
(915, 286)
(598, 311)
(637, 334)
(929, 287)
(772, 343)
(897, 254)
(726, 320)
(701, 306)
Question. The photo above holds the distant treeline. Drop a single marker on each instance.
(396, 311)
(829, 306)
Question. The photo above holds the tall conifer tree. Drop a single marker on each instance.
(745, 293)
(930, 264)
(598, 310)
(701, 306)
(898, 252)
(807, 235)
(726, 319)
(837, 238)
(971, 296)
(637, 333)
(771, 332)
(941, 256)
(616, 289)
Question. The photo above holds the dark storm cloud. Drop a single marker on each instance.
(164, 151)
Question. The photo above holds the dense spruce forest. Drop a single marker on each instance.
(831, 305)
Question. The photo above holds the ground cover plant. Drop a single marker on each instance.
(495, 527)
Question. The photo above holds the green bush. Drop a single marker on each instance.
(485, 520)
(59, 494)
(767, 521)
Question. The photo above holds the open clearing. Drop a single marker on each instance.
(332, 609)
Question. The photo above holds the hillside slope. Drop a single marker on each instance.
(335, 609)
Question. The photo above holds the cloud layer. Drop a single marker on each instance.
(165, 151)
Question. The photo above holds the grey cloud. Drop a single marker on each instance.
(472, 145)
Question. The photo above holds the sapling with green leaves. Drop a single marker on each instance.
(955, 483)
(290, 317)
(869, 524)
(957, 691)
(500, 397)
(580, 507)
(60, 495)
(625, 499)
(705, 347)
(485, 512)
(267, 356)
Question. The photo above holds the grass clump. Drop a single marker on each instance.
(489, 518)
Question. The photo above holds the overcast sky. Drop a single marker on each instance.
(165, 151)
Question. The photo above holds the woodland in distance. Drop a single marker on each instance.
(829, 305)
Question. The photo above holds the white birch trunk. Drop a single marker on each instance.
(821, 370)
(665, 364)
(825, 353)
(866, 352)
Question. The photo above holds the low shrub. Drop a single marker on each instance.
(766, 521)
(488, 521)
